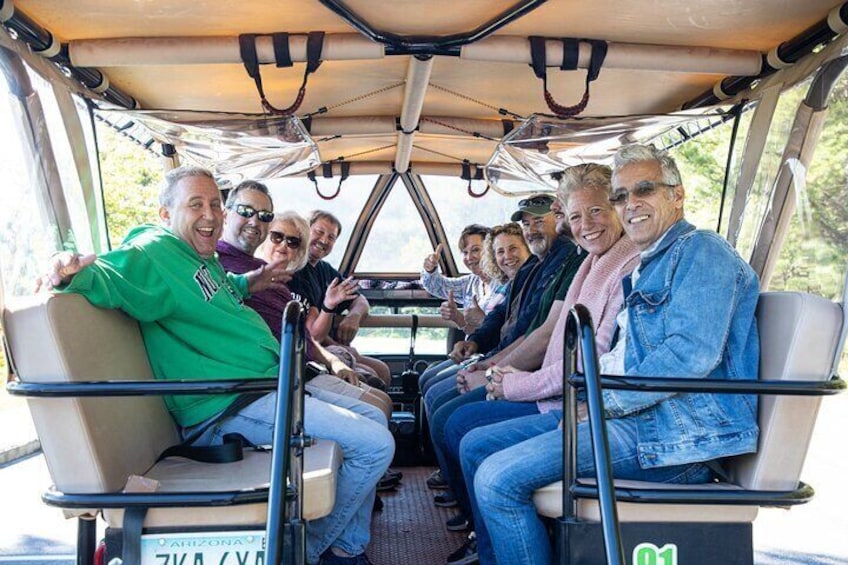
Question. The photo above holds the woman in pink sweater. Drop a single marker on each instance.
(584, 193)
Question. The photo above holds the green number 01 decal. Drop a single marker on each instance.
(649, 554)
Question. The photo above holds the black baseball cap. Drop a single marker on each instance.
(536, 204)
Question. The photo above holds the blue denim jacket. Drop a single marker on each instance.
(691, 314)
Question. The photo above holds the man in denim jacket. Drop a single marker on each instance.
(689, 313)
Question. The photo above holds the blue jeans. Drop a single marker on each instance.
(459, 418)
(441, 390)
(505, 463)
(438, 421)
(353, 404)
(430, 375)
(367, 447)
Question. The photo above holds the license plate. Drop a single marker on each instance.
(204, 548)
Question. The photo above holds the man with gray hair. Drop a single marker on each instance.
(689, 312)
(195, 324)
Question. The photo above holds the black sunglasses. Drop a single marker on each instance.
(536, 201)
(643, 189)
(292, 242)
(246, 211)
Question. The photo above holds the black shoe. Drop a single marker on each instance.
(465, 555)
(378, 503)
(458, 523)
(436, 481)
(387, 483)
(446, 500)
(393, 474)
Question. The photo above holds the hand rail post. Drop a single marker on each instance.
(597, 426)
(285, 456)
(569, 443)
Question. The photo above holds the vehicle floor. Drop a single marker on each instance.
(410, 530)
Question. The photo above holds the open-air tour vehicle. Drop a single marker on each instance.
(409, 120)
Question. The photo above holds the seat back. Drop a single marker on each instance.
(799, 335)
(90, 444)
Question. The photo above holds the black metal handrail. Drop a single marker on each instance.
(734, 496)
(287, 446)
(580, 333)
(84, 389)
(430, 45)
(287, 455)
(675, 384)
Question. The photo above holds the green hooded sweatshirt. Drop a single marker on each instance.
(191, 313)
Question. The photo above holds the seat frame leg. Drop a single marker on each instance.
(86, 540)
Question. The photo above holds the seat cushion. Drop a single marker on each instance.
(548, 501)
(177, 474)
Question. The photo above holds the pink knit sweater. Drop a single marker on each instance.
(597, 285)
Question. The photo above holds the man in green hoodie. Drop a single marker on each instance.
(195, 325)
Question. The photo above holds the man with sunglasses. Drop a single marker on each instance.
(248, 215)
(689, 312)
(195, 323)
(310, 285)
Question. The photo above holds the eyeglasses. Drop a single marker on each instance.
(246, 211)
(643, 189)
(535, 201)
(292, 242)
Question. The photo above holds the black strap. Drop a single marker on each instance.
(327, 173)
(314, 47)
(410, 364)
(131, 534)
(230, 450)
(205, 453)
(570, 52)
(247, 49)
(538, 59)
(467, 176)
(599, 54)
(466, 170)
(282, 57)
(717, 467)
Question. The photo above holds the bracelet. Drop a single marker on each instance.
(328, 310)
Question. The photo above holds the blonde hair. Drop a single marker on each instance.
(302, 228)
(488, 264)
(588, 176)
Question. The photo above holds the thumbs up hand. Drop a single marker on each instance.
(473, 315)
(450, 311)
(432, 260)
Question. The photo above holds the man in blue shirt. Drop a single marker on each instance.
(689, 312)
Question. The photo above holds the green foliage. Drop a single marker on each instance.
(131, 177)
(813, 256)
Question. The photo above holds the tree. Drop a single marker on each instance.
(131, 176)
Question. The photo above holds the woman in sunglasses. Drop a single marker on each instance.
(286, 242)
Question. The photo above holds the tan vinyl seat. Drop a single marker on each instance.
(800, 334)
(94, 445)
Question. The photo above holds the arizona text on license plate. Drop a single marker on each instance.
(204, 548)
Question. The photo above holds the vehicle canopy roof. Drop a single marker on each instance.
(402, 85)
